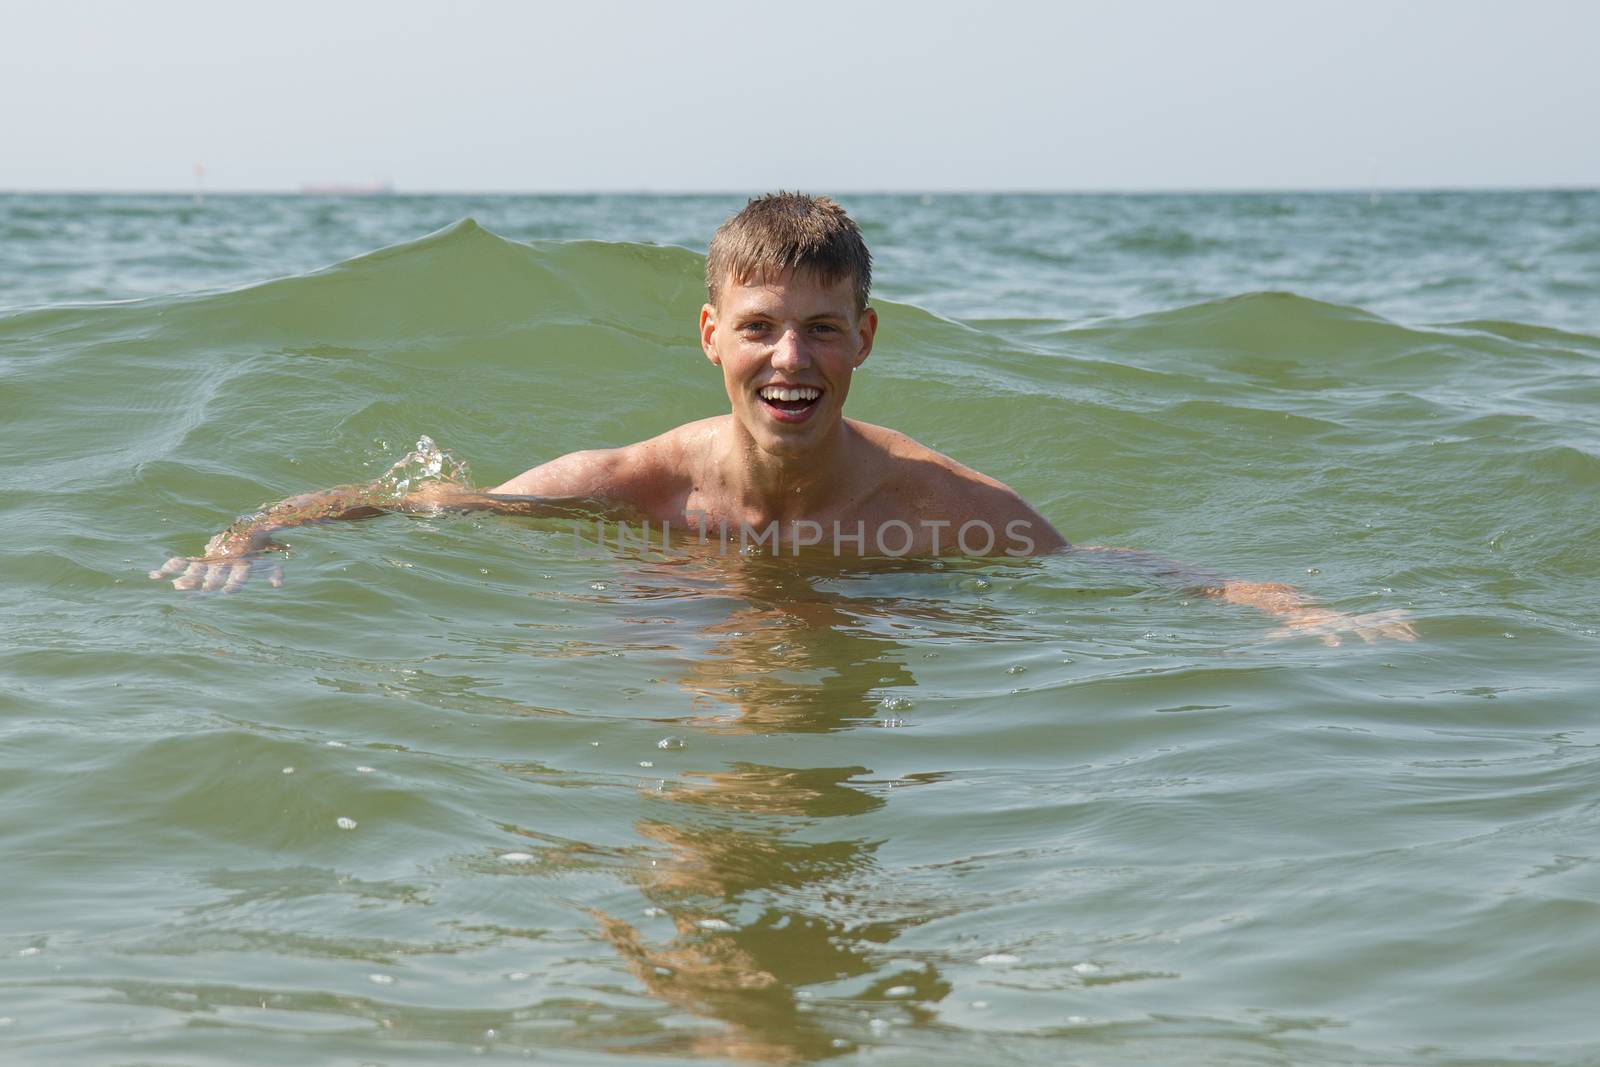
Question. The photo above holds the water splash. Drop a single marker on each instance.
(425, 463)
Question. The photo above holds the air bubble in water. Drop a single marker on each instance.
(672, 743)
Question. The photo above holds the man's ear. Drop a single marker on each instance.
(708, 328)
(866, 330)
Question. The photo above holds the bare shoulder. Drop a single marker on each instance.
(916, 469)
(636, 474)
(930, 483)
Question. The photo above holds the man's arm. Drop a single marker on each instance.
(569, 485)
(1300, 614)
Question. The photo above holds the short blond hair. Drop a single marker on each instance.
(790, 232)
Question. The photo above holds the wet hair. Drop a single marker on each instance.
(789, 232)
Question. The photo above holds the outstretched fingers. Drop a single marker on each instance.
(170, 567)
(1380, 624)
(1331, 626)
(1325, 626)
(210, 574)
(193, 576)
(234, 576)
(216, 576)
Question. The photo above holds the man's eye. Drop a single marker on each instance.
(753, 327)
(825, 327)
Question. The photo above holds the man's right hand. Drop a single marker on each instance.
(233, 555)
(225, 573)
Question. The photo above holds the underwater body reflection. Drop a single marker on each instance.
(795, 657)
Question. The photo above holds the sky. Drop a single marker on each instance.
(605, 95)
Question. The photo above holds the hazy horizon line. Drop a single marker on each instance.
(1220, 190)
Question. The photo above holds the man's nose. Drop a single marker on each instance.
(790, 350)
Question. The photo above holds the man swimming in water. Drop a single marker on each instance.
(788, 323)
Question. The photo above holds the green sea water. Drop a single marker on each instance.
(462, 790)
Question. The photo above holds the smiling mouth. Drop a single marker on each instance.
(790, 403)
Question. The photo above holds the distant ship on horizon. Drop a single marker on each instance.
(373, 188)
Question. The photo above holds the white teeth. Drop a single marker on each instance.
(774, 392)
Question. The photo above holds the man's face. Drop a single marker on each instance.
(787, 346)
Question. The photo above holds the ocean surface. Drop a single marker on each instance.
(473, 787)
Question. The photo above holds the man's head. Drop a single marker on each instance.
(783, 232)
(787, 321)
